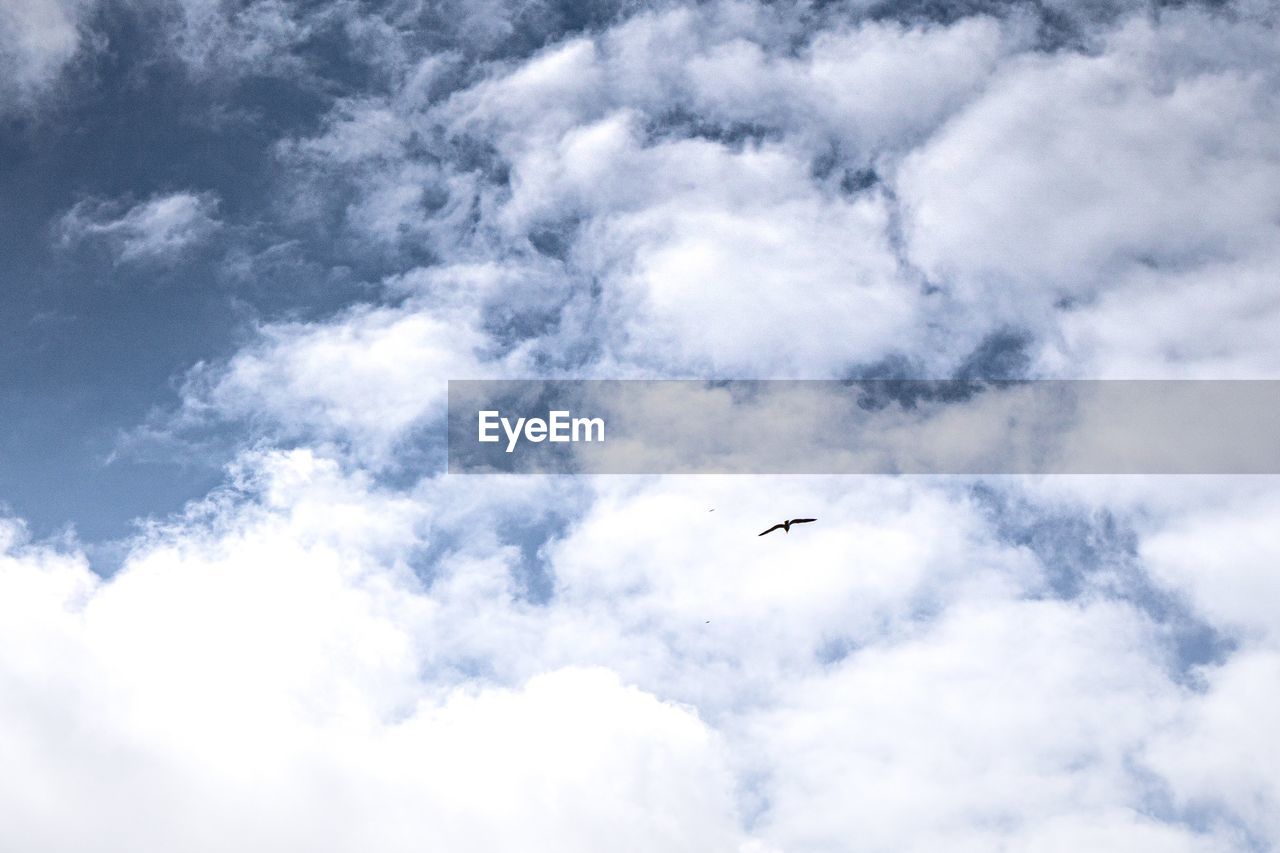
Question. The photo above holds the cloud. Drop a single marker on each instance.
(343, 649)
(734, 205)
(1219, 753)
(271, 668)
(158, 230)
(587, 154)
(1086, 190)
(813, 281)
(38, 38)
(892, 745)
(337, 664)
(1217, 555)
(731, 206)
(715, 250)
(367, 379)
(215, 39)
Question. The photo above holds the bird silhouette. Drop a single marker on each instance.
(786, 525)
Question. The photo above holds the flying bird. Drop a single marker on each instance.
(786, 525)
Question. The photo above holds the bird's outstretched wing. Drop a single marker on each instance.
(771, 529)
(802, 520)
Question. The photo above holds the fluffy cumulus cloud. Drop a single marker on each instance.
(342, 649)
(1090, 191)
(277, 674)
(647, 174)
(325, 663)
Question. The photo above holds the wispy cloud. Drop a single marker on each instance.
(160, 229)
(38, 38)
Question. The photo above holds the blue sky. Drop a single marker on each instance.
(244, 245)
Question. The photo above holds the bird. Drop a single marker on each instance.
(786, 525)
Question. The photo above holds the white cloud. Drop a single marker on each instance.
(1220, 556)
(159, 229)
(714, 256)
(1222, 753)
(1136, 182)
(266, 675)
(312, 660)
(1210, 321)
(368, 377)
(706, 254)
(722, 248)
(928, 743)
(287, 657)
(38, 38)
(726, 263)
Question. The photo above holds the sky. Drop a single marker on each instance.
(244, 245)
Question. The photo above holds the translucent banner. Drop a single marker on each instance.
(885, 426)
